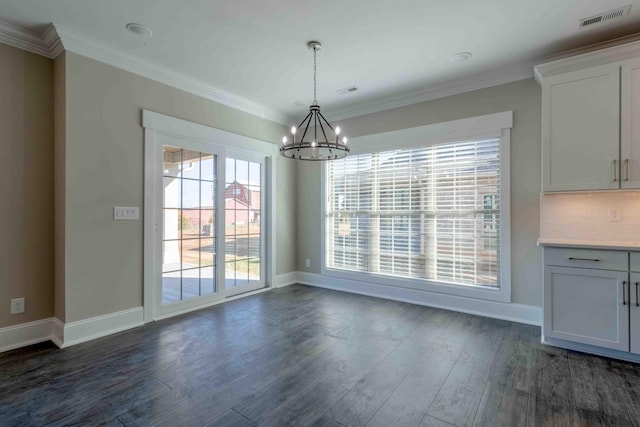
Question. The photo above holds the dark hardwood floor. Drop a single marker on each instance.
(308, 356)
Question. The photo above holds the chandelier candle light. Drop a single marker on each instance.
(323, 141)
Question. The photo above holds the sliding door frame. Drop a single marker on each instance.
(260, 159)
(223, 144)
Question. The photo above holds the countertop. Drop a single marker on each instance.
(591, 244)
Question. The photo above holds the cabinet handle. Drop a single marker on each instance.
(615, 170)
(637, 304)
(624, 293)
(626, 169)
(583, 259)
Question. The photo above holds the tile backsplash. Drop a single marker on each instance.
(587, 216)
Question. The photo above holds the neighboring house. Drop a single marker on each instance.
(242, 205)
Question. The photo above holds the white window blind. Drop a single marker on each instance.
(428, 213)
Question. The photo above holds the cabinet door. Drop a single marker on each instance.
(634, 307)
(630, 125)
(587, 306)
(581, 130)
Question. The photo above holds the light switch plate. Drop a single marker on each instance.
(125, 212)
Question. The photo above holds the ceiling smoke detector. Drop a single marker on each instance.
(139, 29)
(606, 16)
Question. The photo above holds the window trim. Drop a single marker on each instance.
(489, 126)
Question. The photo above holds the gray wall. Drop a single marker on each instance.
(26, 189)
(103, 157)
(524, 98)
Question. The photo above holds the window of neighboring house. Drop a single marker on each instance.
(431, 214)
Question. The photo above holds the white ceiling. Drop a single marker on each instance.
(256, 49)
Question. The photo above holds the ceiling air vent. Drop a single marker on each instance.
(347, 90)
(606, 16)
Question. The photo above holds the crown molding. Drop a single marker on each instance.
(99, 51)
(478, 81)
(52, 39)
(56, 39)
(590, 56)
(24, 39)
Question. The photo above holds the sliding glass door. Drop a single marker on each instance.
(189, 232)
(244, 243)
(207, 206)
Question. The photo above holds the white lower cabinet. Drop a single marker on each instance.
(590, 297)
(588, 306)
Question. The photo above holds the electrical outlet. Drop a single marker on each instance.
(615, 214)
(308, 263)
(17, 305)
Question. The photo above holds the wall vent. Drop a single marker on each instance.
(347, 90)
(606, 16)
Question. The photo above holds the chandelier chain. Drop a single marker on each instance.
(315, 99)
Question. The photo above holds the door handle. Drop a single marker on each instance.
(615, 170)
(624, 292)
(637, 304)
(626, 169)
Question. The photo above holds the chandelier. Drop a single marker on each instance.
(322, 141)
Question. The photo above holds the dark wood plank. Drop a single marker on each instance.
(630, 375)
(515, 363)
(231, 419)
(552, 381)
(349, 364)
(365, 398)
(544, 413)
(501, 406)
(325, 421)
(409, 403)
(428, 421)
(350, 359)
(459, 397)
(98, 421)
(587, 418)
(202, 403)
(541, 412)
(66, 400)
(597, 387)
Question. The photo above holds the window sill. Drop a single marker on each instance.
(480, 292)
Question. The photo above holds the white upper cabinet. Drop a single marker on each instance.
(630, 125)
(591, 120)
(580, 130)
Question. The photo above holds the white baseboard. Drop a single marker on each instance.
(100, 326)
(25, 334)
(591, 349)
(520, 313)
(57, 334)
(282, 280)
